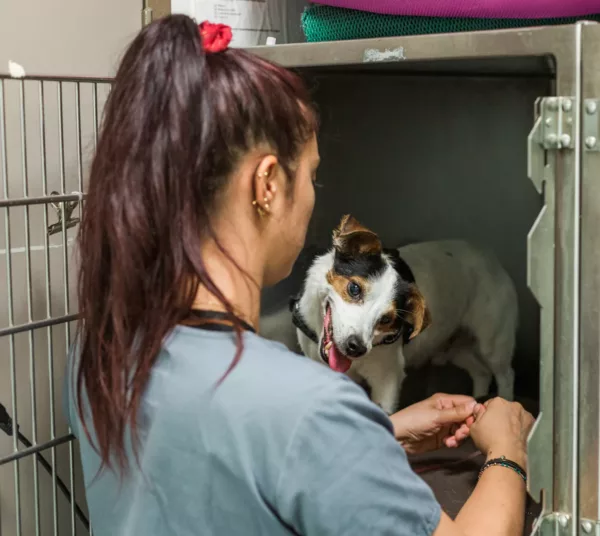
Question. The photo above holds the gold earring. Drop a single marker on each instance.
(259, 209)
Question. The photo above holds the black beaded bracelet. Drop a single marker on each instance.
(503, 462)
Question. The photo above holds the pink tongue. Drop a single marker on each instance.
(338, 361)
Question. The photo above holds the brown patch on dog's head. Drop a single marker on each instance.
(351, 238)
(417, 315)
(387, 322)
(340, 284)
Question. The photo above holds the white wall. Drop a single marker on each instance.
(69, 37)
(57, 38)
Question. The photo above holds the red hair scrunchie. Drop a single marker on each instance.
(215, 37)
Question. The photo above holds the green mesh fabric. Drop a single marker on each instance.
(325, 23)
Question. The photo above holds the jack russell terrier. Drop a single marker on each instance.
(368, 312)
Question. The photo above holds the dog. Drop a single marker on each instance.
(370, 312)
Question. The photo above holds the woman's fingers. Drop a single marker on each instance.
(456, 436)
(479, 410)
(451, 442)
(445, 401)
(462, 433)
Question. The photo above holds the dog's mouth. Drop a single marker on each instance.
(330, 353)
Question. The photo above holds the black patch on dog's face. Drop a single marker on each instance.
(410, 305)
(363, 266)
(401, 304)
(401, 296)
(400, 266)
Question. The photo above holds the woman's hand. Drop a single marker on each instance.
(501, 429)
(441, 420)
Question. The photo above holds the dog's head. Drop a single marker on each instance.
(367, 300)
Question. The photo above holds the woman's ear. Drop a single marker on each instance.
(265, 184)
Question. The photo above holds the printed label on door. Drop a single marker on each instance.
(251, 21)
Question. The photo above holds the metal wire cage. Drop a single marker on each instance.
(48, 132)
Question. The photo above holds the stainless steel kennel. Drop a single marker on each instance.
(459, 85)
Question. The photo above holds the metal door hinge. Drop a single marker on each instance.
(557, 122)
(589, 527)
(554, 524)
(147, 14)
(559, 524)
(591, 124)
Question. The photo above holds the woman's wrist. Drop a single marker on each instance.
(513, 453)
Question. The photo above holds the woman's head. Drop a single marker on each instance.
(193, 145)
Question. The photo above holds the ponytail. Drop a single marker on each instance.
(175, 124)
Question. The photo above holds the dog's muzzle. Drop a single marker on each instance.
(355, 347)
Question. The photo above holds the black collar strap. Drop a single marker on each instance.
(391, 339)
(213, 320)
(299, 322)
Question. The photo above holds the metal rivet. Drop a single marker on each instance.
(563, 520)
(551, 139)
(590, 142)
(552, 104)
(569, 120)
(565, 140)
(587, 526)
(548, 121)
(567, 105)
(591, 107)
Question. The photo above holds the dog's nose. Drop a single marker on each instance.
(355, 347)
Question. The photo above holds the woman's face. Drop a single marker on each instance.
(289, 229)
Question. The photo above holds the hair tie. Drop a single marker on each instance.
(215, 37)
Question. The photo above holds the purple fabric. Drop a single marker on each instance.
(488, 9)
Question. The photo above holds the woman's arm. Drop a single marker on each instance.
(495, 508)
(497, 505)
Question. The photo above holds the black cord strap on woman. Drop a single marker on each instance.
(503, 462)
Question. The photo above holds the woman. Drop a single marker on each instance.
(200, 194)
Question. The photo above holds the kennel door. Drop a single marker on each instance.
(553, 273)
(589, 373)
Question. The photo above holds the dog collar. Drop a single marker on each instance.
(300, 323)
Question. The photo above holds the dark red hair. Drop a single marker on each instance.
(175, 125)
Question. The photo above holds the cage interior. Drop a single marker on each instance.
(432, 151)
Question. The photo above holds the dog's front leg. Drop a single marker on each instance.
(384, 373)
(385, 395)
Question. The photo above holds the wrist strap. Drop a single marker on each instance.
(503, 462)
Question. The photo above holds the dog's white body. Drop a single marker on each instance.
(466, 290)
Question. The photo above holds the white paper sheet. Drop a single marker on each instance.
(251, 21)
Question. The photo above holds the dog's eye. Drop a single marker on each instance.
(354, 289)
(385, 319)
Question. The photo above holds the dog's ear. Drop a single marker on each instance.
(351, 238)
(418, 315)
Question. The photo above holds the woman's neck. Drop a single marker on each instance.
(240, 285)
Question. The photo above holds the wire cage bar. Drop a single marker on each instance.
(48, 133)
